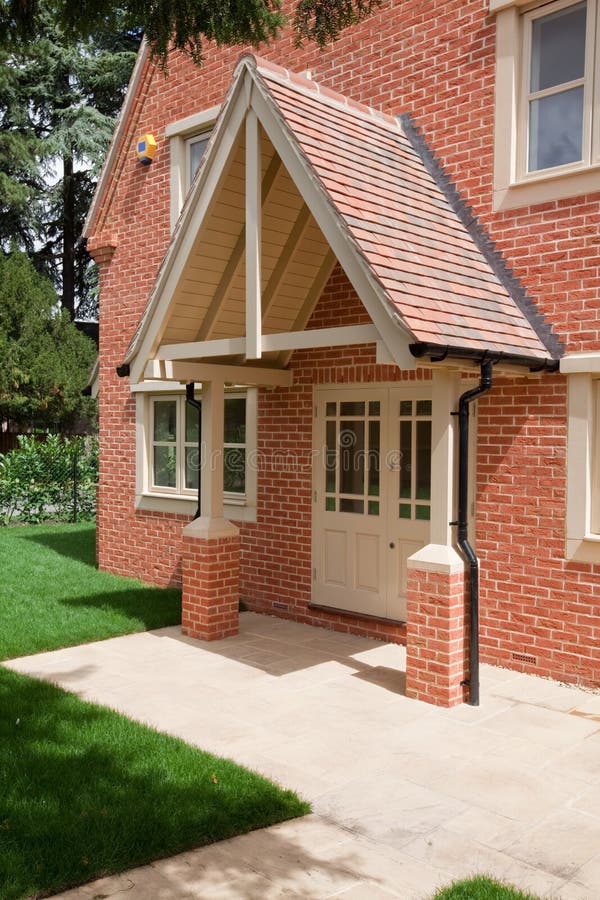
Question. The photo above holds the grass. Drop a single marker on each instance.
(53, 596)
(85, 792)
(481, 887)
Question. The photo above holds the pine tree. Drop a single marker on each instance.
(58, 104)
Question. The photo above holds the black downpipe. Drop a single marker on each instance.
(466, 399)
(189, 396)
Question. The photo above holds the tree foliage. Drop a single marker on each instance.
(186, 23)
(44, 360)
(59, 100)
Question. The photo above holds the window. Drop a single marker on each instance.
(556, 91)
(175, 457)
(188, 139)
(583, 456)
(547, 141)
(169, 458)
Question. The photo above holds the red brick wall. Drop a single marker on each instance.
(435, 61)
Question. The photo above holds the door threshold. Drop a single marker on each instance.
(347, 612)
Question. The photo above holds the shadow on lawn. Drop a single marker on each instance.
(84, 792)
(78, 544)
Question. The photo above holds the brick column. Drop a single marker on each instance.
(210, 575)
(436, 627)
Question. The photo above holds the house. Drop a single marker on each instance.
(355, 299)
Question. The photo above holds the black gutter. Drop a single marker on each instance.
(439, 353)
(189, 396)
(465, 400)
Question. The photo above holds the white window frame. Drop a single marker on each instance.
(181, 134)
(513, 185)
(583, 456)
(182, 500)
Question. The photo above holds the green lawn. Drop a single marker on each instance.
(84, 791)
(482, 888)
(52, 595)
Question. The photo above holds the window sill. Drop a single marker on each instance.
(585, 549)
(186, 506)
(547, 187)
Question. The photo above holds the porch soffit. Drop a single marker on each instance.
(338, 181)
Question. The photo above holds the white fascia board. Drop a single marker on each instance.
(184, 372)
(393, 335)
(218, 154)
(123, 121)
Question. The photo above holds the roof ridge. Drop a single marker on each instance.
(311, 88)
(481, 238)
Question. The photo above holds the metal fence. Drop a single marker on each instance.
(49, 481)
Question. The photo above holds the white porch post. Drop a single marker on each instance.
(253, 238)
(213, 427)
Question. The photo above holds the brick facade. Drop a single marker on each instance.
(539, 612)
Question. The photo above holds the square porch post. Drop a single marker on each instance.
(436, 638)
(211, 544)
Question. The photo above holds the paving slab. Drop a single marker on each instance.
(406, 796)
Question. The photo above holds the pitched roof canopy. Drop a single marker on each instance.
(381, 203)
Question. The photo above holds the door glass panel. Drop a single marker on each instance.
(374, 456)
(423, 461)
(374, 407)
(352, 408)
(165, 420)
(352, 457)
(330, 409)
(423, 407)
(330, 504)
(422, 512)
(406, 407)
(405, 510)
(351, 506)
(405, 458)
(373, 507)
(330, 433)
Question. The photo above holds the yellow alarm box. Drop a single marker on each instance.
(146, 149)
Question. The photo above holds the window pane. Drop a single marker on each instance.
(352, 506)
(197, 149)
(555, 129)
(423, 407)
(405, 458)
(423, 461)
(165, 466)
(352, 409)
(406, 407)
(373, 507)
(374, 408)
(165, 420)
(330, 457)
(330, 504)
(234, 471)
(192, 424)
(192, 466)
(374, 459)
(330, 409)
(558, 48)
(404, 511)
(422, 512)
(235, 420)
(352, 458)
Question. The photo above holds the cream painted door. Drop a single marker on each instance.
(372, 482)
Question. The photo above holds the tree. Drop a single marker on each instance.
(44, 359)
(58, 104)
(186, 23)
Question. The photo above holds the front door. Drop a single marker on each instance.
(372, 492)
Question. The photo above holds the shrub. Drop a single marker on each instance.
(51, 479)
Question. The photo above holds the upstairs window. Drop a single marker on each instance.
(196, 147)
(557, 104)
(188, 140)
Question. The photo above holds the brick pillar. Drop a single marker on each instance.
(210, 575)
(436, 627)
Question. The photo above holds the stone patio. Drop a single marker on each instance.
(406, 796)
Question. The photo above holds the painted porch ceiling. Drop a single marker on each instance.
(209, 300)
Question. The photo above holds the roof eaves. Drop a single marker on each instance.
(115, 142)
(481, 239)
